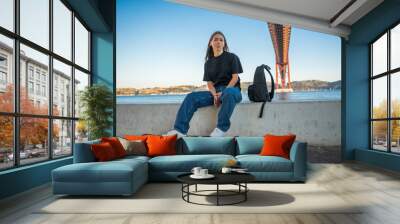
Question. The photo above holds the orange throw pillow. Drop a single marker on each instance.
(116, 145)
(103, 152)
(161, 145)
(275, 145)
(136, 137)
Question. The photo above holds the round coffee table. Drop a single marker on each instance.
(238, 179)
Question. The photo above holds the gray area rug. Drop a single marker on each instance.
(166, 198)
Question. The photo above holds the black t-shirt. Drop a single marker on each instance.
(219, 69)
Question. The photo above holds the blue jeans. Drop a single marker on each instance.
(229, 98)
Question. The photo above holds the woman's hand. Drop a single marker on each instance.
(216, 99)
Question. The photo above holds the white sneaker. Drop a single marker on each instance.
(175, 132)
(217, 133)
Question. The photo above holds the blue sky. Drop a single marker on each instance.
(162, 44)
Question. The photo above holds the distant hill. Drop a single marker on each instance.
(306, 85)
(315, 85)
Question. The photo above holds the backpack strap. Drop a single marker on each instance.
(261, 110)
(270, 94)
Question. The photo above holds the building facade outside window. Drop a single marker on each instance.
(31, 73)
(43, 90)
(37, 89)
(30, 87)
(3, 78)
(3, 72)
(58, 126)
(3, 61)
(37, 75)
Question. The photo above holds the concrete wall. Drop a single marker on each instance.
(317, 122)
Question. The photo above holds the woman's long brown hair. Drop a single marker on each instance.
(210, 52)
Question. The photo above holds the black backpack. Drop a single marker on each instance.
(258, 91)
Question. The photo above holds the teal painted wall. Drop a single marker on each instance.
(103, 62)
(24, 178)
(377, 158)
(95, 13)
(102, 59)
(355, 80)
(356, 99)
(103, 53)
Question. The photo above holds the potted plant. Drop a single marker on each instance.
(96, 102)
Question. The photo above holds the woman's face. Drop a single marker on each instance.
(217, 42)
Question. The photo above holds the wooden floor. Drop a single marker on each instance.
(377, 188)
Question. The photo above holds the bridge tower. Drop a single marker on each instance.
(280, 36)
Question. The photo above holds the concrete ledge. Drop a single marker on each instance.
(315, 122)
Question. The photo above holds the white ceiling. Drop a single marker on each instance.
(321, 9)
(313, 15)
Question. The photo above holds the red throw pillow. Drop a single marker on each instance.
(116, 145)
(161, 145)
(275, 145)
(103, 151)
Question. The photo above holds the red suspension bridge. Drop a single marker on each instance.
(280, 35)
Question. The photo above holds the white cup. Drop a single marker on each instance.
(196, 171)
(203, 172)
(226, 170)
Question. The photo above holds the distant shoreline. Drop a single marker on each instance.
(243, 91)
(319, 95)
(297, 86)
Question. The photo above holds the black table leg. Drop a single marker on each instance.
(182, 189)
(188, 190)
(245, 193)
(196, 188)
(217, 194)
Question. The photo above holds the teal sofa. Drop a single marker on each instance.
(125, 176)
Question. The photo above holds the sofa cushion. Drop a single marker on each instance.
(207, 145)
(257, 163)
(185, 163)
(111, 171)
(249, 145)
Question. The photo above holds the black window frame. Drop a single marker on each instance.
(388, 74)
(16, 115)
